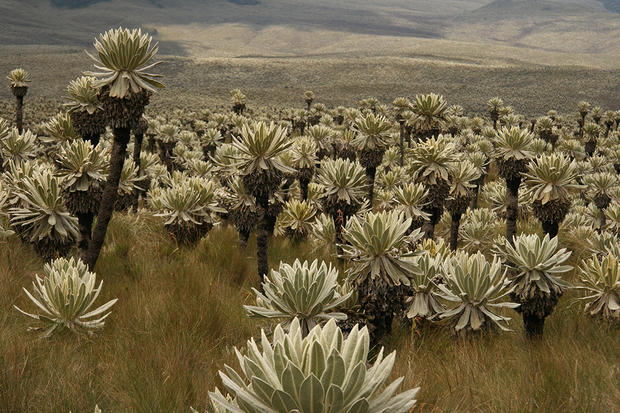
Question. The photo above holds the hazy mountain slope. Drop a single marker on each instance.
(612, 5)
(532, 8)
(561, 26)
(229, 28)
(28, 21)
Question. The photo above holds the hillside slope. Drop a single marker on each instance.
(229, 28)
(27, 21)
(569, 27)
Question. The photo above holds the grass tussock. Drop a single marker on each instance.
(575, 368)
(180, 312)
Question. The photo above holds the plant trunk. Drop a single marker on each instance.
(303, 185)
(551, 228)
(479, 184)
(533, 326)
(370, 173)
(383, 326)
(271, 223)
(512, 208)
(474, 199)
(262, 239)
(151, 144)
(603, 220)
(85, 227)
(164, 155)
(244, 236)
(108, 198)
(402, 143)
(454, 230)
(429, 229)
(429, 226)
(19, 113)
(339, 223)
(94, 139)
(137, 148)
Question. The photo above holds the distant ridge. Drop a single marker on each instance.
(612, 5)
(245, 2)
(229, 28)
(532, 8)
(74, 4)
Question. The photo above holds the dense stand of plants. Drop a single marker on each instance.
(373, 184)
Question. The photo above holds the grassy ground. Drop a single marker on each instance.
(180, 311)
(337, 80)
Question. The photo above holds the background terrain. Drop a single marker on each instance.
(535, 54)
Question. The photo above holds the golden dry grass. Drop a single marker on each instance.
(180, 311)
